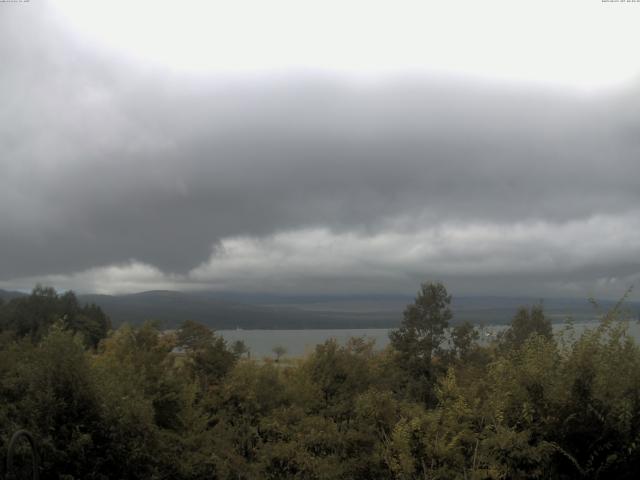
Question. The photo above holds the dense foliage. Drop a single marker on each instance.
(142, 403)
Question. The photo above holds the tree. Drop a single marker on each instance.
(92, 323)
(421, 336)
(463, 337)
(422, 331)
(50, 390)
(525, 323)
(209, 357)
(193, 335)
(279, 351)
(212, 362)
(239, 348)
(32, 316)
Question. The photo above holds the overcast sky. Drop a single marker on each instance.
(321, 147)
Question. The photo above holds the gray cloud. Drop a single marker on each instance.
(105, 162)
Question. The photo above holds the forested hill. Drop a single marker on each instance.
(263, 311)
(136, 402)
(8, 295)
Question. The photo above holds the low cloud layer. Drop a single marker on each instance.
(119, 177)
(479, 258)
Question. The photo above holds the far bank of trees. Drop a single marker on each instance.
(31, 316)
(140, 403)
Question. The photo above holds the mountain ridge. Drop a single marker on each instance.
(230, 310)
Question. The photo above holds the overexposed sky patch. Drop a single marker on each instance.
(580, 43)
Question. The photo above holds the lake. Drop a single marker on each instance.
(301, 342)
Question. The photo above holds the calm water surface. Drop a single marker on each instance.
(301, 342)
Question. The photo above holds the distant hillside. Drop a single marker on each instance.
(171, 308)
(8, 295)
(235, 310)
(230, 310)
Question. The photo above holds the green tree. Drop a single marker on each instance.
(208, 356)
(32, 316)
(421, 336)
(49, 389)
(239, 348)
(339, 373)
(194, 335)
(463, 338)
(525, 323)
